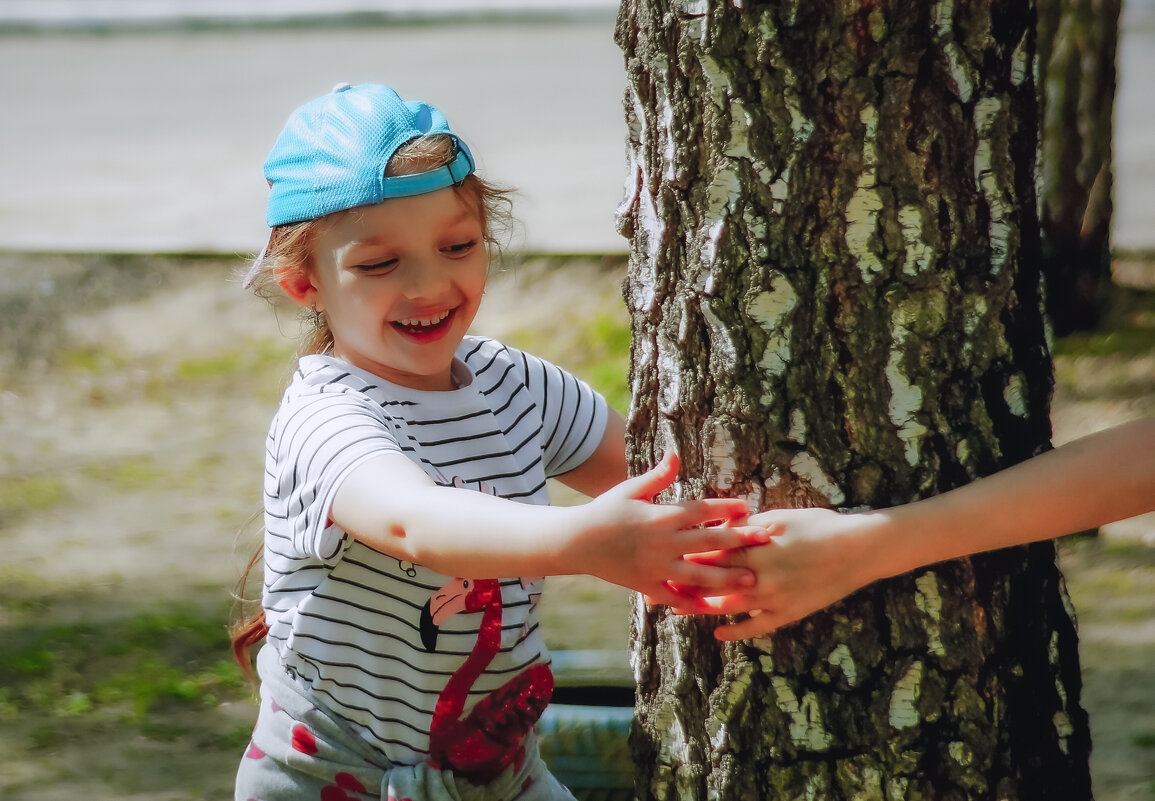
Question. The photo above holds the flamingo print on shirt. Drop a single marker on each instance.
(480, 745)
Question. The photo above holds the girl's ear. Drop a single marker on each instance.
(298, 285)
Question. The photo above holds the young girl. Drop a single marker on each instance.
(407, 525)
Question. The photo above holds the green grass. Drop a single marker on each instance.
(91, 360)
(1134, 340)
(255, 364)
(1127, 330)
(21, 495)
(220, 365)
(596, 349)
(145, 704)
(1130, 553)
(1139, 612)
(262, 366)
(609, 366)
(255, 357)
(1116, 579)
(119, 671)
(127, 475)
(132, 474)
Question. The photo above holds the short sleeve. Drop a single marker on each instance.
(315, 442)
(573, 414)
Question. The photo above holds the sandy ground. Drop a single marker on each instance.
(134, 398)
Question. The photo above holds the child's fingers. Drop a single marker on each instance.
(707, 602)
(651, 482)
(754, 626)
(712, 510)
(707, 579)
(772, 528)
(672, 597)
(768, 517)
(670, 594)
(694, 600)
(725, 557)
(749, 535)
(710, 540)
(731, 604)
(758, 535)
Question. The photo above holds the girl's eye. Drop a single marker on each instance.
(378, 267)
(460, 248)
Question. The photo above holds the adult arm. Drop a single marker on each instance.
(817, 556)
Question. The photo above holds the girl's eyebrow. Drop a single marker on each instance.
(465, 215)
(356, 251)
(458, 220)
(369, 241)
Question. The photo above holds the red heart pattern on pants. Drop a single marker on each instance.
(303, 740)
(344, 782)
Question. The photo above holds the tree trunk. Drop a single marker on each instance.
(1078, 40)
(835, 291)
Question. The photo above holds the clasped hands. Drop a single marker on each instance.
(772, 568)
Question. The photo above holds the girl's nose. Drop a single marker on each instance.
(425, 279)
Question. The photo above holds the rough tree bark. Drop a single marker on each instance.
(1078, 40)
(835, 290)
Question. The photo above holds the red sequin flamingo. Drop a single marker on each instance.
(489, 739)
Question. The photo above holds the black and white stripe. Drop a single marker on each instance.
(345, 618)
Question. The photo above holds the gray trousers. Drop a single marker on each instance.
(300, 751)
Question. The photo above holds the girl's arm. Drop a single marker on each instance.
(606, 466)
(389, 504)
(817, 556)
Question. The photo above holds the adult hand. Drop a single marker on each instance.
(814, 558)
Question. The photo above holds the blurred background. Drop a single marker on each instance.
(141, 125)
(125, 131)
(137, 379)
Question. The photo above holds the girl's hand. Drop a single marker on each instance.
(652, 548)
(815, 557)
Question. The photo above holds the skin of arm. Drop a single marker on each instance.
(389, 504)
(606, 466)
(818, 556)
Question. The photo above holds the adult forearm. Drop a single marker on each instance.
(819, 556)
(1099, 479)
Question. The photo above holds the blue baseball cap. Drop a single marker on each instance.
(333, 152)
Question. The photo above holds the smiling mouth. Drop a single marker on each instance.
(418, 326)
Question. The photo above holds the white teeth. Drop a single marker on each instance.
(423, 321)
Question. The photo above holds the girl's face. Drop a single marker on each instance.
(400, 283)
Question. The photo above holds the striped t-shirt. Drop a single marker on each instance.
(354, 626)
